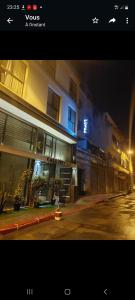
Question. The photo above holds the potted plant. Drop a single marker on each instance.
(17, 203)
(38, 185)
(19, 192)
(18, 196)
(3, 198)
(58, 182)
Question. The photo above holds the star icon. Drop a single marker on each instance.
(95, 20)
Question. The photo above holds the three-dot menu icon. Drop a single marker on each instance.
(126, 20)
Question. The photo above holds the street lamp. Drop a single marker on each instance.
(131, 119)
(130, 152)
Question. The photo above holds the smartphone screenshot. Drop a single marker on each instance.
(49, 15)
(67, 149)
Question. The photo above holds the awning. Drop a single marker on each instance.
(30, 119)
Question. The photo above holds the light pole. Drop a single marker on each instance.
(131, 119)
(130, 152)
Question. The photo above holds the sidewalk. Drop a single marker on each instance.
(100, 197)
(31, 216)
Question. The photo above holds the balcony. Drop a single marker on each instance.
(97, 152)
(11, 81)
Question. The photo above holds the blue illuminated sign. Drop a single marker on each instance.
(85, 126)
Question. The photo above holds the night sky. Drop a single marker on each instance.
(111, 85)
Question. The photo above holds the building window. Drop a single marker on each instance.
(71, 119)
(73, 89)
(40, 141)
(53, 104)
(12, 75)
(49, 146)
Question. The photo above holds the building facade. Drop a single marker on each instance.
(50, 126)
(85, 132)
(103, 165)
(38, 124)
(118, 160)
(108, 139)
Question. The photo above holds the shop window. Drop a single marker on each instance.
(50, 146)
(12, 75)
(53, 104)
(49, 140)
(11, 169)
(71, 119)
(73, 89)
(40, 141)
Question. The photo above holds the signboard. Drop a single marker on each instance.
(85, 126)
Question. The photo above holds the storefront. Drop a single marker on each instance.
(11, 169)
(83, 171)
(25, 146)
(98, 170)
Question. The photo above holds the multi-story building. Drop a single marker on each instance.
(38, 122)
(85, 132)
(103, 165)
(114, 176)
(118, 160)
(50, 126)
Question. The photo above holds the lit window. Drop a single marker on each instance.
(53, 104)
(71, 119)
(12, 75)
(49, 145)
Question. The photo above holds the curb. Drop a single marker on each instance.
(18, 226)
(120, 195)
(13, 227)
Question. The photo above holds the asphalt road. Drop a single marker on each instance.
(111, 220)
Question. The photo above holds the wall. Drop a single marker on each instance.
(102, 135)
(36, 89)
(36, 86)
(85, 112)
(63, 74)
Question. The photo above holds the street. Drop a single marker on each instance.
(111, 220)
